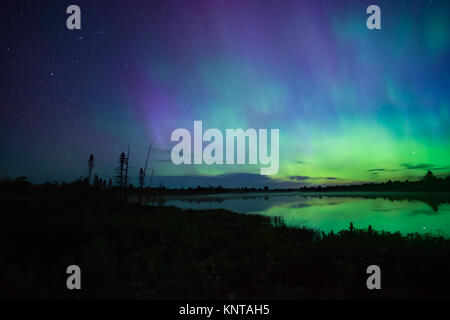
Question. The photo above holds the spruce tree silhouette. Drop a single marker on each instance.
(90, 166)
(120, 171)
(429, 176)
(126, 168)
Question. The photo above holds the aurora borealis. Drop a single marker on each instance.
(352, 105)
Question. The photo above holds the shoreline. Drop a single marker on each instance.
(127, 251)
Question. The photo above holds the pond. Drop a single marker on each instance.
(403, 212)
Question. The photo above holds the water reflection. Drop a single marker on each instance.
(393, 212)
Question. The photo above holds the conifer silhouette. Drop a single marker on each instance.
(90, 166)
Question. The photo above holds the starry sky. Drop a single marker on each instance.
(352, 105)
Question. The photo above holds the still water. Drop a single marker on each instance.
(392, 212)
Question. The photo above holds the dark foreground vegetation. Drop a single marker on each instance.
(130, 251)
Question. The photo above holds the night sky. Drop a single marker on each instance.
(352, 105)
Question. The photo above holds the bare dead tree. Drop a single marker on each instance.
(151, 177)
(143, 173)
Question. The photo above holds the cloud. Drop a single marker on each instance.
(374, 171)
(417, 166)
(442, 168)
(426, 166)
(299, 178)
(303, 178)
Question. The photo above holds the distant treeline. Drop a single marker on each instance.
(428, 183)
(83, 188)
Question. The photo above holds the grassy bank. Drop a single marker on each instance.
(126, 251)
